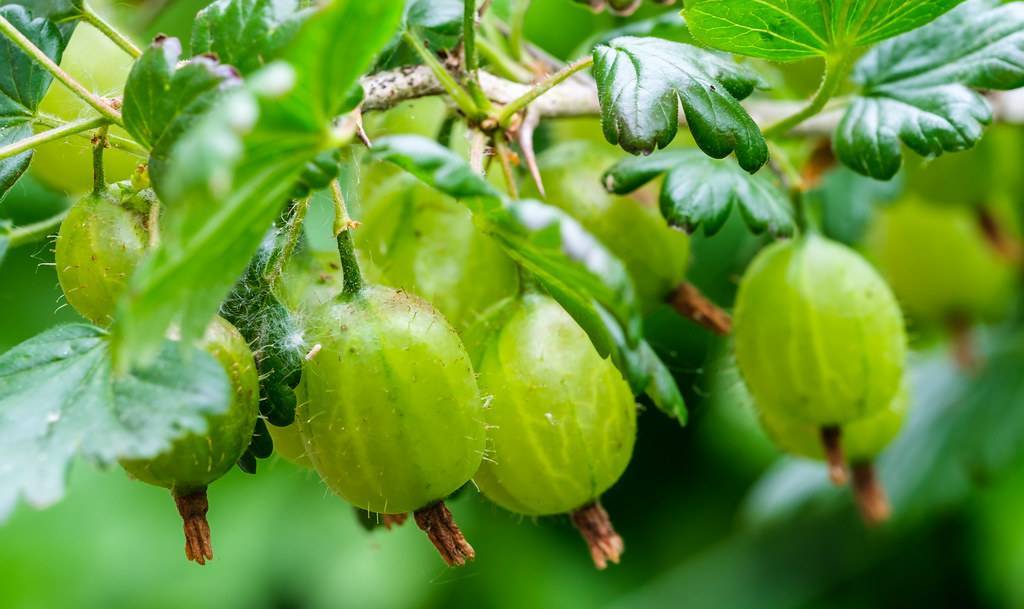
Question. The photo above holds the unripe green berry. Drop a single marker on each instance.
(196, 460)
(393, 420)
(655, 254)
(418, 240)
(940, 264)
(561, 420)
(818, 334)
(862, 440)
(100, 243)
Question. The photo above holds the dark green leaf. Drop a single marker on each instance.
(23, 84)
(231, 173)
(669, 26)
(920, 88)
(702, 191)
(63, 13)
(60, 399)
(661, 385)
(162, 99)
(785, 30)
(642, 81)
(440, 21)
(246, 33)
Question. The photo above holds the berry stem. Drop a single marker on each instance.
(31, 233)
(596, 528)
(831, 440)
(462, 99)
(836, 69)
(504, 118)
(90, 16)
(60, 132)
(352, 277)
(965, 352)
(99, 145)
(689, 302)
(436, 521)
(871, 497)
(472, 60)
(293, 232)
(30, 49)
(193, 508)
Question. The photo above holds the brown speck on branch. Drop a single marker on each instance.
(391, 521)
(689, 302)
(436, 521)
(193, 508)
(596, 528)
(831, 441)
(870, 495)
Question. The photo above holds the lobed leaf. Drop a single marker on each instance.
(23, 84)
(246, 34)
(701, 191)
(162, 98)
(788, 30)
(642, 81)
(921, 89)
(59, 399)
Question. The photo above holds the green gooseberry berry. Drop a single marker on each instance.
(100, 242)
(940, 264)
(561, 420)
(655, 254)
(418, 240)
(393, 420)
(196, 460)
(819, 336)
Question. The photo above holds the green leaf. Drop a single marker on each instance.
(787, 30)
(162, 99)
(847, 203)
(59, 399)
(591, 284)
(642, 81)
(921, 88)
(234, 169)
(702, 191)
(246, 34)
(439, 21)
(23, 84)
(5, 238)
(63, 13)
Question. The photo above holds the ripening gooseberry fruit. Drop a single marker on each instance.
(421, 241)
(100, 242)
(393, 420)
(561, 421)
(940, 264)
(655, 254)
(96, 62)
(195, 461)
(819, 337)
(863, 441)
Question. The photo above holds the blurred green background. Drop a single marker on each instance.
(711, 515)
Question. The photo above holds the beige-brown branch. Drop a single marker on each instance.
(577, 97)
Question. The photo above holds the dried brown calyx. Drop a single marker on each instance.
(193, 508)
(831, 441)
(391, 521)
(436, 521)
(871, 498)
(596, 528)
